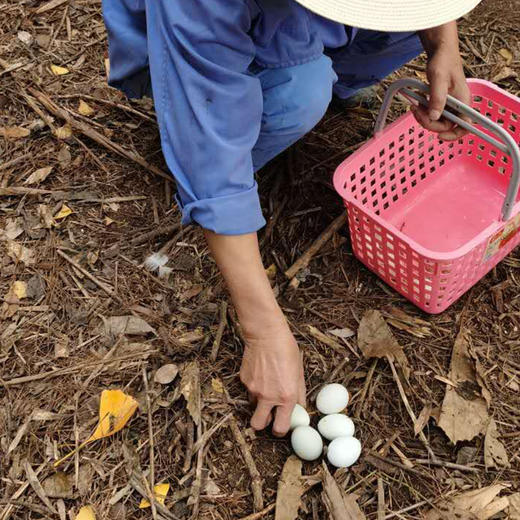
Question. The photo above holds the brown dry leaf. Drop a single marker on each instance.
(59, 71)
(13, 229)
(507, 55)
(464, 412)
(339, 505)
(477, 504)
(86, 513)
(85, 109)
(25, 37)
(14, 132)
(39, 175)
(514, 507)
(375, 340)
(58, 485)
(19, 435)
(504, 73)
(46, 217)
(342, 333)
(64, 132)
(64, 157)
(20, 253)
(166, 374)
(191, 293)
(130, 325)
(190, 389)
(61, 347)
(290, 490)
(495, 455)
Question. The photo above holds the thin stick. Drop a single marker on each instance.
(406, 509)
(220, 331)
(190, 432)
(150, 436)
(409, 410)
(305, 259)
(19, 190)
(90, 276)
(444, 464)
(95, 135)
(110, 103)
(6, 513)
(323, 338)
(197, 481)
(141, 239)
(15, 161)
(71, 370)
(256, 480)
(260, 514)
(364, 392)
(380, 499)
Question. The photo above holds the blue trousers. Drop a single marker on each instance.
(296, 98)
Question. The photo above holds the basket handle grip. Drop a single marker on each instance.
(506, 144)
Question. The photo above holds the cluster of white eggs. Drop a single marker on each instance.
(344, 449)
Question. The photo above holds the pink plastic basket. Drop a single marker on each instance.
(431, 218)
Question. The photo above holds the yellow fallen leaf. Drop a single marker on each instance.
(64, 212)
(14, 132)
(160, 492)
(64, 132)
(507, 55)
(59, 71)
(85, 109)
(86, 513)
(108, 221)
(19, 289)
(217, 385)
(115, 410)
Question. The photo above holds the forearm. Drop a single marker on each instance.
(238, 258)
(444, 36)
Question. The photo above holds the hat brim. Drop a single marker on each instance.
(391, 15)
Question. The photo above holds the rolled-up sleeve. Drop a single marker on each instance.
(209, 108)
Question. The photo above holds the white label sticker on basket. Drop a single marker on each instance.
(501, 238)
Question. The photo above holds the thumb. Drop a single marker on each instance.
(439, 87)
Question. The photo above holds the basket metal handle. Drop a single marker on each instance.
(506, 144)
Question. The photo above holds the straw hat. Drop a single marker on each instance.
(391, 15)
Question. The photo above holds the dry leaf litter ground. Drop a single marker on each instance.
(83, 204)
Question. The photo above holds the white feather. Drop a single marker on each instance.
(155, 261)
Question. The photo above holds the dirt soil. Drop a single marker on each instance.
(82, 205)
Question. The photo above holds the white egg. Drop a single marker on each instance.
(299, 417)
(306, 443)
(336, 425)
(332, 399)
(343, 452)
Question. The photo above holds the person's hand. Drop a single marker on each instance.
(272, 371)
(446, 76)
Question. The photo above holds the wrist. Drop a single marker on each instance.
(440, 39)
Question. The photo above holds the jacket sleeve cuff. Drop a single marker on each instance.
(235, 214)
